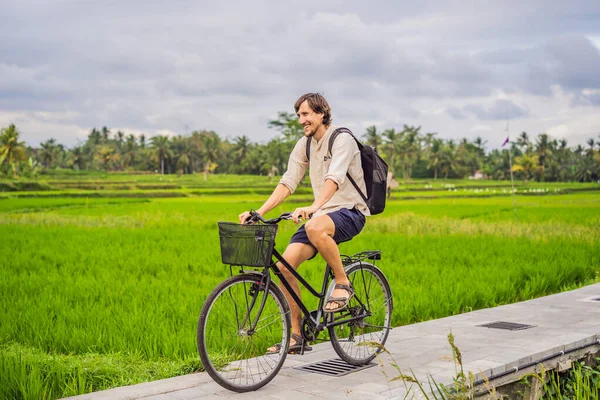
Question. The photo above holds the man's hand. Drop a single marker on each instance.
(244, 217)
(303, 213)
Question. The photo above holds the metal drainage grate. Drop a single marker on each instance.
(509, 326)
(334, 367)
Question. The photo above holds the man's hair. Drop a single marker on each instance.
(318, 104)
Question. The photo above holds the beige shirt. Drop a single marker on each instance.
(345, 157)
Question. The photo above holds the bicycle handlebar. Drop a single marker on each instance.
(254, 217)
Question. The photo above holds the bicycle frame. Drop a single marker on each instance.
(313, 321)
(321, 295)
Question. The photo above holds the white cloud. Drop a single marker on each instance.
(480, 128)
(151, 67)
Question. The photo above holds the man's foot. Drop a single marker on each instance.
(339, 299)
(295, 346)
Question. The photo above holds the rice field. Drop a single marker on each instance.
(101, 288)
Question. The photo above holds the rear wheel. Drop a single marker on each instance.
(233, 352)
(358, 342)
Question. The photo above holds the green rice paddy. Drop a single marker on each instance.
(102, 286)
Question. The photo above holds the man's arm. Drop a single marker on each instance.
(297, 165)
(329, 189)
(280, 193)
(343, 151)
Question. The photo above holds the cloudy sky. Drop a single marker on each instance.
(458, 68)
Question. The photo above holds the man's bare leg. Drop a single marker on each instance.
(295, 254)
(320, 232)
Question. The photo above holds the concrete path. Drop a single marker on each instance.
(563, 322)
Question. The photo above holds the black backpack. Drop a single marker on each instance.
(374, 169)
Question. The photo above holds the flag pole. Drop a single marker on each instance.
(512, 181)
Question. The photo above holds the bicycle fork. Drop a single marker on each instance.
(254, 292)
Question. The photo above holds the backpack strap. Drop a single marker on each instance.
(360, 146)
(308, 142)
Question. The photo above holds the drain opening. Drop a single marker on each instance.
(333, 367)
(509, 326)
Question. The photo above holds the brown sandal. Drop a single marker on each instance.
(294, 348)
(342, 302)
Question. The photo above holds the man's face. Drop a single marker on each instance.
(310, 120)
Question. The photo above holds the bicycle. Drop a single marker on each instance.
(248, 313)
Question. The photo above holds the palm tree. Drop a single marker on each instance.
(528, 164)
(410, 149)
(497, 164)
(239, 152)
(106, 155)
(76, 158)
(480, 143)
(590, 151)
(182, 163)
(428, 140)
(468, 159)
(10, 148)
(288, 125)
(543, 151)
(255, 160)
(181, 147)
(523, 142)
(211, 150)
(105, 134)
(49, 153)
(130, 150)
(241, 147)
(372, 137)
(434, 156)
(120, 137)
(94, 137)
(562, 143)
(392, 141)
(162, 151)
(586, 170)
(276, 156)
(448, 158)
(131, 139)
(207, 146)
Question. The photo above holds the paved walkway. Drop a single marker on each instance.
(562, 322)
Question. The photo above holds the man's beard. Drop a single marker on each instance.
(310, 133)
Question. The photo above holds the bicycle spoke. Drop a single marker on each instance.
(275, 320)
(352, 340)
(228, 332)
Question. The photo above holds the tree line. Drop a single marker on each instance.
(409, 152)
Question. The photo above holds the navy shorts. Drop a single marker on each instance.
(348, 223)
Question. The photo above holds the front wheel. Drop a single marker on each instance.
(235, 331)
(358, 342)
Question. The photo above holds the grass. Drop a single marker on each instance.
(37, 374)
(121, 281)
(22, 205)
(581, 381)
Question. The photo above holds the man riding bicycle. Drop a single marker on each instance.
(337, 213)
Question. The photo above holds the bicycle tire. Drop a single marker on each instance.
(359, 342)
(233, 357)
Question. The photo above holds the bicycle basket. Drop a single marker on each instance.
(249, 245)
